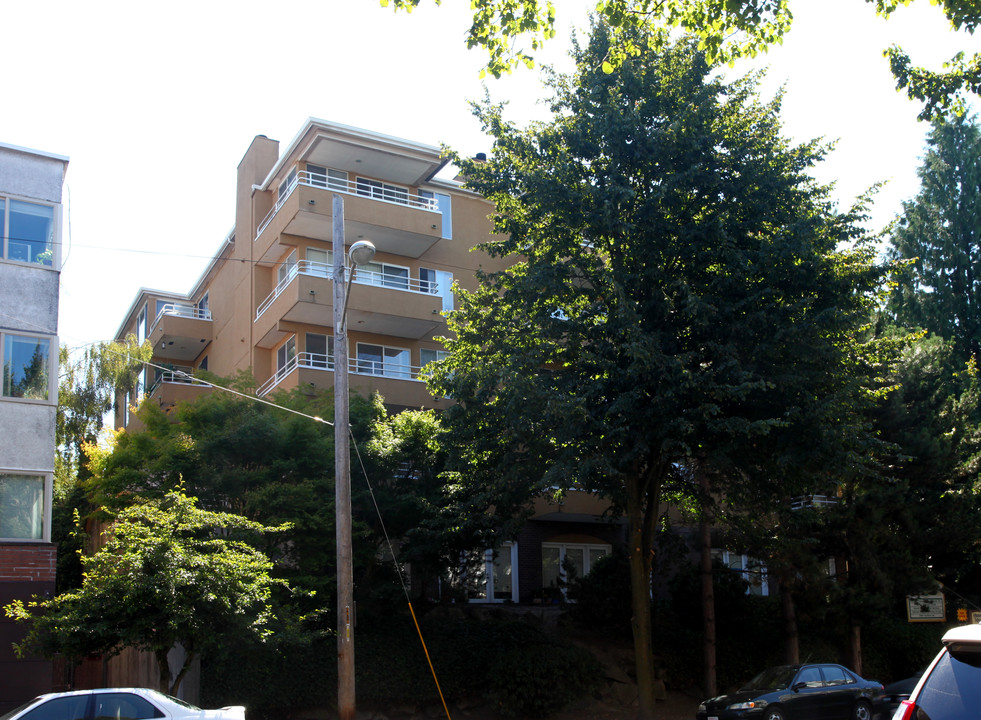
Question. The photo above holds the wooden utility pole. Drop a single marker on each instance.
(342, 479)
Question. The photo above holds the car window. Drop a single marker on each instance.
(59, 708)
(952, 691)
(834, 675)
(811, 676)
(775, 678)
(124, 706)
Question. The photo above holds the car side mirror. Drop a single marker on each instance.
(798, 685)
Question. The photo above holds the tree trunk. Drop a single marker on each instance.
(791, 639)
(708, 600)
(164, 668)
(643, 500)
(640, 604)
(855, 647)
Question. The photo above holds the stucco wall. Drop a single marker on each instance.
(29, 298)
(31, 174)
(28, 436)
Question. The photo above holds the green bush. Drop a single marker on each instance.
(603, 597)
(537, 680)
(519, 668)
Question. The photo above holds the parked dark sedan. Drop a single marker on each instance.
(797, 692)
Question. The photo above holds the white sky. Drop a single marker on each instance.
(155, 104)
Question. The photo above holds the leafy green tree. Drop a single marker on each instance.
(677, 295)
(275, 466)
(939, 235)
(169, 573)
(90, 381)
(726, 29)
(933, 422)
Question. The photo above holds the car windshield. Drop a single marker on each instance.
(775, 678)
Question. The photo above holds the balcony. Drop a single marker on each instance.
(175, 385)
(380, 304)
(398, 384)
(180, 332)
(394, 220)
(815, 502)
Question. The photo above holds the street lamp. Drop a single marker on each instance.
(361, 253)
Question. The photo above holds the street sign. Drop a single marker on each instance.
(925, 608)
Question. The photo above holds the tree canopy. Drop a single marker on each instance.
(726, 29)
(169, 573)
(678, 294)
(938, 237)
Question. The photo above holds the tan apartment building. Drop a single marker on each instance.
(264, 304)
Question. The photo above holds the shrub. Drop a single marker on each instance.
(537, 680)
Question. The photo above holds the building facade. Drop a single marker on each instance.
(265, 304)
(30, 261)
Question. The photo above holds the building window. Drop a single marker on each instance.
(491, 576)
(437, 282)
(285, 355)
(21, 507)
(141, 325)
(27, 231)
(383, 275)
(287, 268)
(445, 208)
(324, 177)
(204, 311)
(559, 559)
(385, 361)
(286, 187)
(320, 351)
(26, 366)
(428, 355)
(319, 262)
(750, 569)
(317, 175)
(382, 191)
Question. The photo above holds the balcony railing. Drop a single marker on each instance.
(813, 501)
(179, 310)
(362, 277)
(177, 376)
(356, 366)
(384, 193)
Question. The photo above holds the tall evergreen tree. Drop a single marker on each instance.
(939, 234)
(677, 296)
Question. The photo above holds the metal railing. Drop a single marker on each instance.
(180, 310)
(356, 366)
(361, 277)
(813, 501)
(176, 376)
(389, 194)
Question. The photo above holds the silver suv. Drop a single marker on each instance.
(950, 689)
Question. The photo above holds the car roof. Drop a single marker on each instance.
(146, 692)
(964, 633)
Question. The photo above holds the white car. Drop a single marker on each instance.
(117, 704)
(950, 689)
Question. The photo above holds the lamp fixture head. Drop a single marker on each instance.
(362, 252)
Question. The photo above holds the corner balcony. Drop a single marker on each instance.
(379, 304)
(398, 384)
(813, 502)
(395, 221)
(180, 332)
